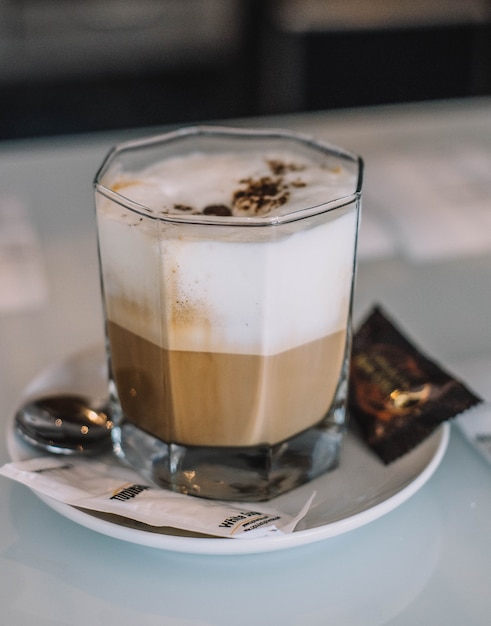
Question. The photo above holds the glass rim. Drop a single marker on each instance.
(229, 131)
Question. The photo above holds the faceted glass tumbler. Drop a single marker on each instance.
(228, 335)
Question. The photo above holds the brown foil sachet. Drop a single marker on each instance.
(398, 396)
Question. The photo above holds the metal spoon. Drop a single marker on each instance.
(65, 424)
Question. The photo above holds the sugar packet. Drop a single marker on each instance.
(109, 488)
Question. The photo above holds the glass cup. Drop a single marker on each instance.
(227, 298)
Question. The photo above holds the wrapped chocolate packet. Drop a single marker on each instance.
(398, 396)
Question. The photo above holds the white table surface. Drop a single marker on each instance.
(428, 561)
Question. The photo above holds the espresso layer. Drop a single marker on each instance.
(221, 399)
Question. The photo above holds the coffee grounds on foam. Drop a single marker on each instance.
(260, 195)
(256, 196)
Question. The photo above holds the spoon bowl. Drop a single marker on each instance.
(65, 424)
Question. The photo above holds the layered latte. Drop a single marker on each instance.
(227, 296)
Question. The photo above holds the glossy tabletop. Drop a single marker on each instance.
(425, 256)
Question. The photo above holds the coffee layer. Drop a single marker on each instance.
(220, 399)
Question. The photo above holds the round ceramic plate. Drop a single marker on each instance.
(359, 491)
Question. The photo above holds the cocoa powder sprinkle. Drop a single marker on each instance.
(260, 195)
(255, 196)
(221, 210)
(278, 167)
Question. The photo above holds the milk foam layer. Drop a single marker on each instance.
(242, 289)
(198, 180)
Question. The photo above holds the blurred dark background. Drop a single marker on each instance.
(69, 66)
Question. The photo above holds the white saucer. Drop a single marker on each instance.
(361, 490)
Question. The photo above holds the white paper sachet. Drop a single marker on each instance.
(108, 488)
